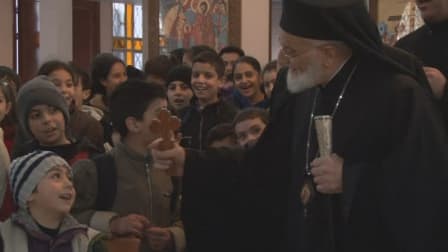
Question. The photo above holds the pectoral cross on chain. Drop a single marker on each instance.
(164, 126)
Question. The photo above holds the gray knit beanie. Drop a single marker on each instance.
(37, 91)
(27, 171)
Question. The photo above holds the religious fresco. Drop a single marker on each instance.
(185, 23)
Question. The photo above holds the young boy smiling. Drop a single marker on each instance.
(42, 188)
(210, 110)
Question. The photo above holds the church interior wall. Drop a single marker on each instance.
(56, 31)
(6, 32)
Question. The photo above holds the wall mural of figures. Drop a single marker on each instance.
(185, 23)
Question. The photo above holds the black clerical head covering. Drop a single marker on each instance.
(340, 20)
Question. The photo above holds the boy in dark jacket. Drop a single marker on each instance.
(210, 110)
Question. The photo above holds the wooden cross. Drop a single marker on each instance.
(164, 126)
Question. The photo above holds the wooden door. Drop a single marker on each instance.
(28, 38)
(86, 32)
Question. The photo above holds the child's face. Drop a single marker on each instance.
(117, 75)
(142, 127)
(229, 60)
(248, 131)
(186, 59)
(205, 83)
(64, 82)
(5, 106)
(55, 193)
(247, 80)
(179, 94)
(47, 125)
(269, 81)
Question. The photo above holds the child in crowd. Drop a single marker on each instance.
(176, 55)
(108, 72)
(134, 73)
(247, 78)
(81, 125)
(249, 125)
(209, 110)
(5, 107)
(119, 192)
(157, 68)
(83, 93)
(43, 114)
(179, 90)
(222, 135)
(269, 76)
(229, 54)
(10, 83)
(42, 187)
(193, 52)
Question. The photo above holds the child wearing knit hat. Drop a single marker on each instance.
(179, 90)
(42, 188)
(43, 114)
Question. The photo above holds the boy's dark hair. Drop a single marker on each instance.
(251, 113)
(220, 132)
(212, 59)
(159, 66)
(179, 73)
(81, 74)
(248, 60)
(177, 55)
(232, 49)
(194, 51)
(6, 72)
(9, 83)
(271, 66)
(131, 99)
(50, 66)
(134, 73)
(198, 49)
(101, 66)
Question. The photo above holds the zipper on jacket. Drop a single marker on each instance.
(201, 122)
(149, 182)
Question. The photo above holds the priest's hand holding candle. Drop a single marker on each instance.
(326, 169)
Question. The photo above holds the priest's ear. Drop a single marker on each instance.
(334, 52)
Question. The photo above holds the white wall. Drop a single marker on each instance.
(276, 14)
(6, 33)
(56, 30)
(255, 28)
(105, 26)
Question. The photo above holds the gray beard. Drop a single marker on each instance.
(299, 82)
(311, 77)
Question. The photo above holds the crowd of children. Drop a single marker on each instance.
(75, 168)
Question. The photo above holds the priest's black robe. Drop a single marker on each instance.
(395, 174)
(430, 44)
